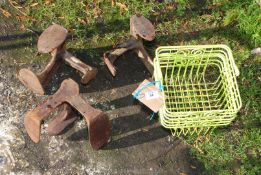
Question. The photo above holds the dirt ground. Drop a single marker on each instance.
(137, 146)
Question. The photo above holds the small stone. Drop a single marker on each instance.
(256, 51)
(92, 100)
(169, 139)
(1, 86)
(2, 160)
(45, 125)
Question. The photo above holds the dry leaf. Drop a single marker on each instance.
(20, 18)
(156, 13)
(34, 4)
(23, 18)
(97, 12)
(5, 13)
(145, 130)
(46, 2)
(13, 2)
(170, 7)
(71, 30)
(22, 27)
(113, 2)
(16, 7)
(183, 174)
(122, 6)
(193, 167)
(81, 20)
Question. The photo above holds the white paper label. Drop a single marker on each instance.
(151, 95)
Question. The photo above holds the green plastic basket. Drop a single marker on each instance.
(200, 88)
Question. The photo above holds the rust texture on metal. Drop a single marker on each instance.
(36, 82)
(51, 38)
(52, 41)
(88, 72)
(140, 28)
(99, 125)
(62, 120)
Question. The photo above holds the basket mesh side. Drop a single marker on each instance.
(200, 88)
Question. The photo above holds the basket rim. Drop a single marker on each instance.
(231, 111)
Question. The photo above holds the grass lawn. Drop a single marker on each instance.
(235, 149)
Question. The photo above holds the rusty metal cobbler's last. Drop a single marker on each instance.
(140, 28)
(52, 40)
(99, 125)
